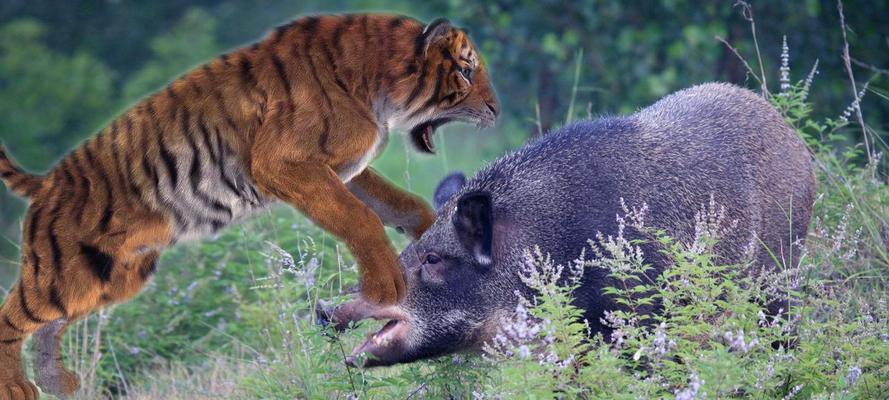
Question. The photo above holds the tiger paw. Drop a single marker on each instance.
(383, 286)
(422, 222)
(19, 390)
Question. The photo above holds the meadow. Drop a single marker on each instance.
(234, 316)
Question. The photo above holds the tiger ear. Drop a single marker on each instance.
(436, 29)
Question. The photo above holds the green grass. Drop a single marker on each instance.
(233, 316)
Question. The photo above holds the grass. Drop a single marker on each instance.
(234, 316)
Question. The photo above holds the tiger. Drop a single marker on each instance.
(295, 118)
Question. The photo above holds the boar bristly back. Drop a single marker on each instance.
(714, 141)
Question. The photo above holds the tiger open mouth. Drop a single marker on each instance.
(421, 135)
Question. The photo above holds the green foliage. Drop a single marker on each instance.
(712, 339)
(57, 96)
(48, 100)
(239, 303)
(190, 42)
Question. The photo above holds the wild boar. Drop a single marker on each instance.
(714, 141)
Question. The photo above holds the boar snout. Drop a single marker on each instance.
(387, 346)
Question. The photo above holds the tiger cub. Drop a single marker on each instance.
(296, 117)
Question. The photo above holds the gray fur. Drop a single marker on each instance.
(51, 375)
(558, 191)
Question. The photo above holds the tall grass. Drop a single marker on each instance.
(234, 317)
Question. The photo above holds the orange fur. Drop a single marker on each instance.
(296, 117)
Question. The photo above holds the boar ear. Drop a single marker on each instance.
(447, 188)
(474, 223)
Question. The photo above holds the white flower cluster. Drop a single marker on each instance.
(736, 341)
(661, 344)
(853, 374)
(709, 227)
(855, 106)
(516, 334)
(621, 328)
(618, 254)
(785, 67)
(807, 84)
(523, 336)
(304, 270)
(792, 393)
(538, 271)
(691, 392)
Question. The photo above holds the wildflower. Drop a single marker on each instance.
(792, 392)
(635, 216)
(807, 84)
(853, 374)
(621, 328)
(565, 363)
(522, 328)
(576, 268)
(538, 271)
(785, 67)
(691, 392)
(660, 344)
(736, 341)
(709, 227)
(516, 333)
(524, 352)
(855, 106)
(623, 257)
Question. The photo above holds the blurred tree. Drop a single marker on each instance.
(66, 66)
(635, 52)
(189, 42)
(57, 97)
(50, 101)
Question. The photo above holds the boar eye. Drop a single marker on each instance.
(432, 258)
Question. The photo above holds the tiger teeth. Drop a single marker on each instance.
(427, 139)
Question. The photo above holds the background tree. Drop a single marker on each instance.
(68, 67)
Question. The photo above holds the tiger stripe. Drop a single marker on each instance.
(148, 267)
(365, 79)
(99, 261)
(85, 187)
(439, 76)
(55, 299)
(196, 172)
(279, 120)
(55, 247)
(169, 161)
(8, 322)
(34, 259)
(99, 168)
(23, 303)
(281, 73)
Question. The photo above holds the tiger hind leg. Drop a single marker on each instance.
(126, 279)
(17, 321)
(52, 376)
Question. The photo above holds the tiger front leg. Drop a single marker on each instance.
(315, 190)
(397, 208)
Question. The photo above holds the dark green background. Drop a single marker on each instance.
(67, 67)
